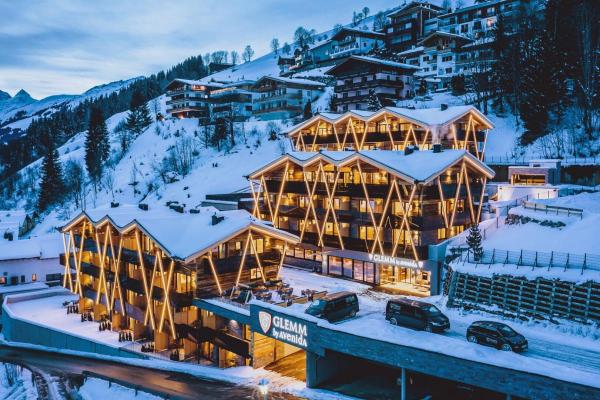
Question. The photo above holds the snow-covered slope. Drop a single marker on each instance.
(28, 108)
(8, 104)
(139, 176)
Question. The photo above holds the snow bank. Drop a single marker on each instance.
(531, 273)
(94, 389)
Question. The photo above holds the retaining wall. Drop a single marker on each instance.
(19, 330)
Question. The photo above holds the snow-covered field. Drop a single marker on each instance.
(94, 389)
(579, 236)
(211, 172)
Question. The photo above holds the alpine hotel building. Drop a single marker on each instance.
(145, 270)
(370, 193)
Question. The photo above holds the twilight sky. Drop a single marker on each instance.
(67, 46)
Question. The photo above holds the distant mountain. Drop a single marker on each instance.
(17, 112)
(21, 99)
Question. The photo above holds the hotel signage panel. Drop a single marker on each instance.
(397, 261)
(283, 328)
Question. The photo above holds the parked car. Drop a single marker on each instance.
(334, 307)
(416, 315)
(496, 334)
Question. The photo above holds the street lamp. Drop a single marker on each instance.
(263, 388)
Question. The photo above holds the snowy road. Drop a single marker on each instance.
(162, 383)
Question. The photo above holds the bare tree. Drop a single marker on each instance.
(286, 48)
(108, 181)
(379, 21)
(365, 11)
(248, 53)
(206, 58)
(75, 182)
(182, 155)
(275, 45)
(235, 57)
(447, 5)
(459, 4)
(303, 37)
(219, 57)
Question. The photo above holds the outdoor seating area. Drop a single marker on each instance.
(274, 291)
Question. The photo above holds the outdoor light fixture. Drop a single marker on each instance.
(263, 388)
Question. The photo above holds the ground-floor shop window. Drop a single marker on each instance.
(335, 265)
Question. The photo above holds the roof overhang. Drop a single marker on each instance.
(133, 224)
(392, 111)
(352, 157)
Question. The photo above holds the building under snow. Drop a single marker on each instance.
(373, 215)
(142, 270)
(31, 260)
(283, 98)
(359, 77)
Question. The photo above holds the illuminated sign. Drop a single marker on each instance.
(397, 261)
(282, 328)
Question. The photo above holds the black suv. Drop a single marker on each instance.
(496, 334)
(416, 315)
(334, 307)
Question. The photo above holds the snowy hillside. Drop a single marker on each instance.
(19, 100)
(21, 108)
(140, 176)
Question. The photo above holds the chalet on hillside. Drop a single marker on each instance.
(347, 42)
(282, 98)
(233, 101)
(358, 76)
(407, 25)
(189, 98)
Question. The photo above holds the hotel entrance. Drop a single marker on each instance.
(391, 274)
(278, 356)
(403, 279)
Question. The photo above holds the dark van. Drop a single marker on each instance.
(416, 315)
(496, 334)
(334, 307)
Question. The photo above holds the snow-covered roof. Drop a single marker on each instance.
(373, 60)
(417, 167)
(425, 117)
(293, 81)
(479, 42)
(195, 82)
(43, 247)
(182, 236)
(447, 34)
(413, 4)
(417, 49)
(358, 32)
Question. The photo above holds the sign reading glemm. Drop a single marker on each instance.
(397, 261)
(282, 328)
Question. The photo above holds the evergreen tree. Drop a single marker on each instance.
(373, 102)
(307, 114)
(474, 242)
(139, 116)
(503, 70)
(542, 87)
(457, 83)
(96, 145)
(52, 187)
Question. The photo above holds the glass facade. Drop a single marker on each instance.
(379, 274)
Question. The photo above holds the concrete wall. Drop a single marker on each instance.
(324, 347)
(15, 329)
